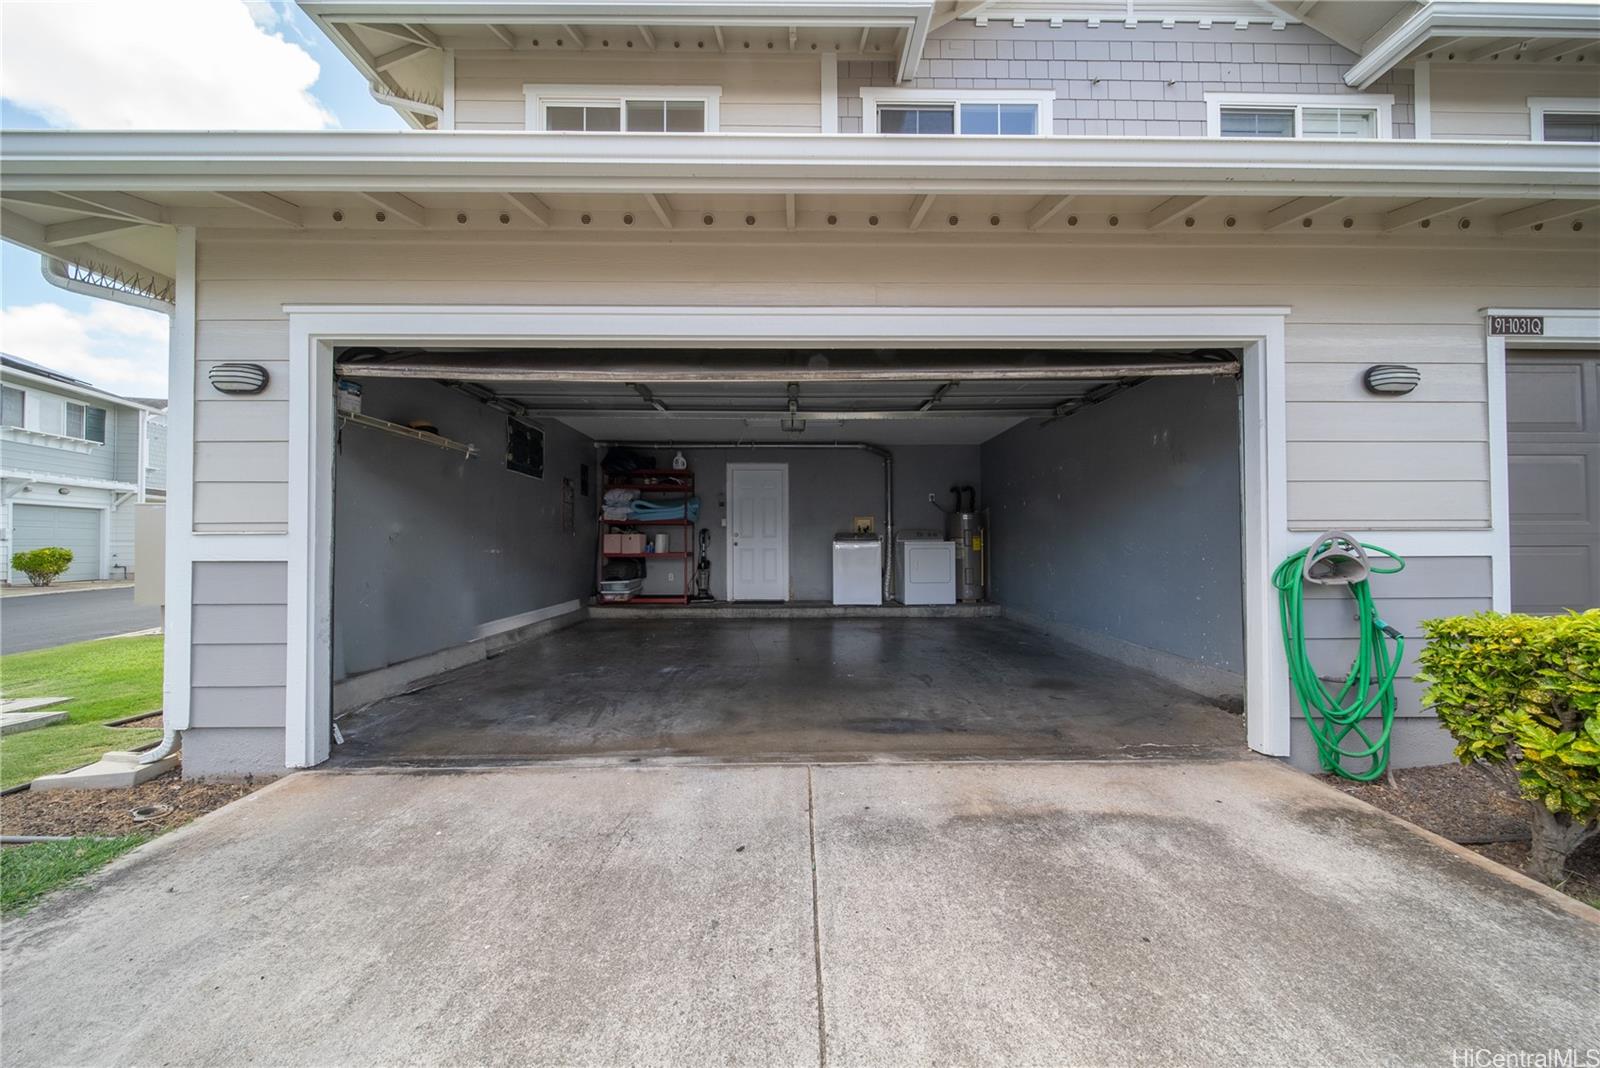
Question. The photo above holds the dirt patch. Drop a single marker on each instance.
(175, 801)
(1478, 807)
(152, 720)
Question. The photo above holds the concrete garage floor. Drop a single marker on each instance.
(788, 689)
(1174, 912)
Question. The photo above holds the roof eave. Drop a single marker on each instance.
(1469, 18)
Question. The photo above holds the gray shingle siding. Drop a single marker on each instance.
(1147, 81)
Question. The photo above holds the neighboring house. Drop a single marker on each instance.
(74, 460)
(957, 232)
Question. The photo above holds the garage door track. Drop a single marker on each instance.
(1018, 913)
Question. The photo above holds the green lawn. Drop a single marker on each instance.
(28, 872)
(106, 680)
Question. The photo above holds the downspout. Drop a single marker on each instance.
(55, 272)
(877, 450)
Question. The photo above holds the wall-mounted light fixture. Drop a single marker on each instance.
(1392, 379)
(240, 378)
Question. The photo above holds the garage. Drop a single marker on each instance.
(36, 526)
(775, 552)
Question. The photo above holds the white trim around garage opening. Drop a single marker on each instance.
(315, 330)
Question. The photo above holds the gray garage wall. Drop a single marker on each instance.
(1122, 522)
(827, 488)
(428, 545)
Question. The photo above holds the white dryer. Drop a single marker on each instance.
(927, 571)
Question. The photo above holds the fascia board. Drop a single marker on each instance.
(597, 163)
(704, 12)
(1473, 19)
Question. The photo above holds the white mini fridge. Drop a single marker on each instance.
(927, 571)
(857, 569)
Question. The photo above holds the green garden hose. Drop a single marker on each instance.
(1336, 717)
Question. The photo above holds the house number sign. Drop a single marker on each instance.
(1516, 325)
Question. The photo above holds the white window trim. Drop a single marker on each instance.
(1561, 105)
(539, 97)
(87, 407)
(1043, 99)
(1382, 103)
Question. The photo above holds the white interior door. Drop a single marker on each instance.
(758, 532)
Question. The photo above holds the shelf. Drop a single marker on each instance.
(648, 487)
(649, 522)
(402, 431)
(645, 556)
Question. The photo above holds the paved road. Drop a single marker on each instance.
(43, 621)
(1157, 912)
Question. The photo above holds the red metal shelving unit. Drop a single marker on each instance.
(680, 483)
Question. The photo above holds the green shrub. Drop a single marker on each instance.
(42, 565)
(1526, 690)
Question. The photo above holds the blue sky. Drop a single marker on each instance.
(82, 335)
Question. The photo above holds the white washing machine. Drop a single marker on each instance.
(927, 571)
(857, 569)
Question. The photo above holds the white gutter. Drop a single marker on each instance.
(1470, 18)
(401, 103)
(477, 162)
(55, 272)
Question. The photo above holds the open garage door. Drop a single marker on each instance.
(1103, 615)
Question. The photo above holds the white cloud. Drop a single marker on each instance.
(113, 346)
(155, 64)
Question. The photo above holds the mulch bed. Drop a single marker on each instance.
(1479, 807)
(109, 813)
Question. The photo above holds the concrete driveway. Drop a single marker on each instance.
(1084, 913)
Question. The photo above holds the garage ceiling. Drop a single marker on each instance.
(883, 396)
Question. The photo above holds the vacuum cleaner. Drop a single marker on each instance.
(702, 569)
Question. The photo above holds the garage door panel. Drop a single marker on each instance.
(1553, 440)
(37, 526)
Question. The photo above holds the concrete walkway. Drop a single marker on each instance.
(1061, 913)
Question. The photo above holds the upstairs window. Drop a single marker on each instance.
(973, 112)
(11, 407)
(1565, 119)
(621, 109)
(1364, 115)
(86, 422)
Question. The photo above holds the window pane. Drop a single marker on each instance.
(1257, 122)
(980, 118)
(95, 425)
(686, 116)
(917, 119)
(1571, 127)
(10, 406)
(72, 426)
(1019, 119)
(602, 119)
(1338, 122)
(563, 118)
(647, 116)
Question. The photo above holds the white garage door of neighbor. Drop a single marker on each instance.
(34, 526)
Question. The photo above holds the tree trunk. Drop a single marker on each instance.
(1555, 836)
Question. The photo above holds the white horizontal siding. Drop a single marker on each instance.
(1352, 306)
(770, 95)
(1490, 101)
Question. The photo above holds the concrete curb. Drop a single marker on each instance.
(46, 591)
(1570, 905)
